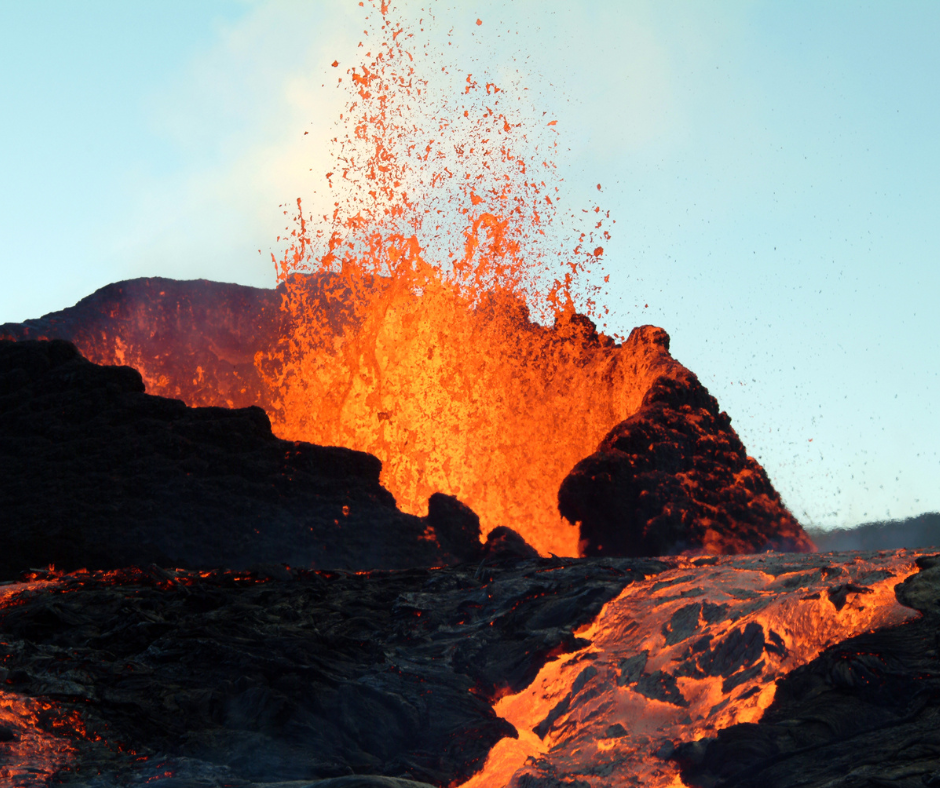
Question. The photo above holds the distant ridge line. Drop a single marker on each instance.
(911, 532)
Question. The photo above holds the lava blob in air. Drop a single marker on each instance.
(458, 187)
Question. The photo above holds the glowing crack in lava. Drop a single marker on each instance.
(681, 655)
(415, 339)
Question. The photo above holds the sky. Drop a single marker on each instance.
(773, 168)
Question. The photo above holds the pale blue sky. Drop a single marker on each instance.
(773, 167)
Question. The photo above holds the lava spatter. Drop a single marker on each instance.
(420, 335)
(441, 314)
(435, 182)
(679, 656)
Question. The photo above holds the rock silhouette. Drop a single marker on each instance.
(95, 473)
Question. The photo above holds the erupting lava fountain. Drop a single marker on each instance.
(442, 316)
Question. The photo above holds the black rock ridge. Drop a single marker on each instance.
(94, 473)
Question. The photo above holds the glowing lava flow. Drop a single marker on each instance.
(679, 656)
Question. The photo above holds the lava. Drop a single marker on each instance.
(39, 735)
(420, 349)
(679, 656)
(688, 647)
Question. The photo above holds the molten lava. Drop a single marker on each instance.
(688, 648)
(480, 403)
(38, 735)
(419, 347)
(679, 656)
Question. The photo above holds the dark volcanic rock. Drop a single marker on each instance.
(235, 680)
(95, 473)
(675, 478)
(504, 544)
(456, 526)
(864, 713)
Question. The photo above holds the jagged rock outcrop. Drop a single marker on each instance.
(675, 478)
(96, 473)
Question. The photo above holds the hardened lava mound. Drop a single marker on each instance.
(674, 477)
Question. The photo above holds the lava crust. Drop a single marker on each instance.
(675, 478)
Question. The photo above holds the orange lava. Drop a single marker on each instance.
(423, 347)
(482, 404)
(439, 313)
(44, 732)
(585, 744)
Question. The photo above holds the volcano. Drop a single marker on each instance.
(416, 517)
(441, 313)
(327, 650)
